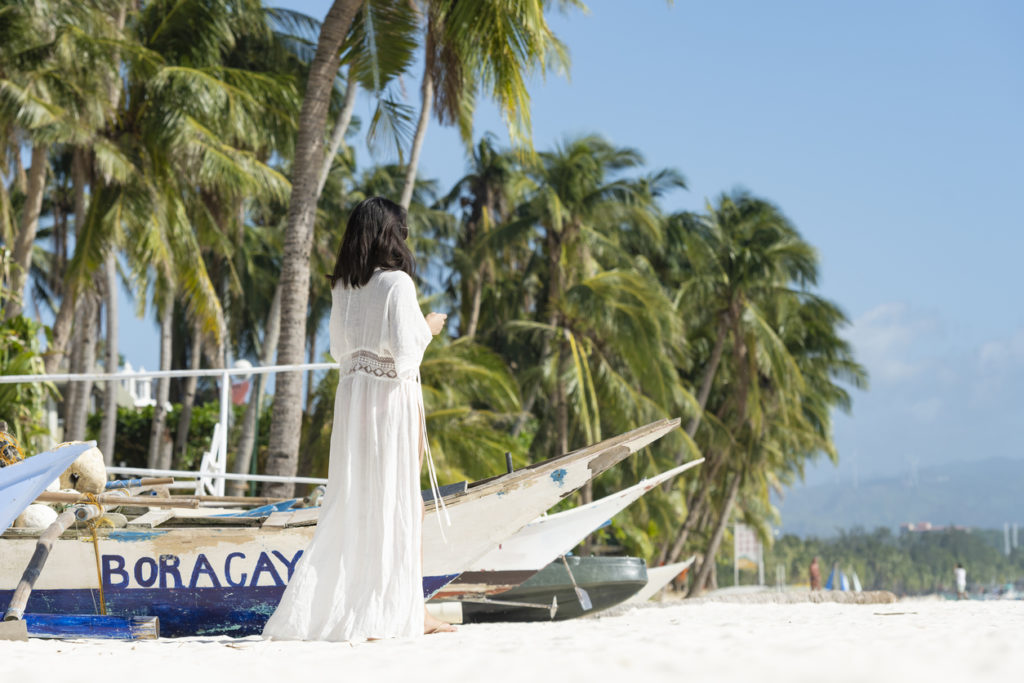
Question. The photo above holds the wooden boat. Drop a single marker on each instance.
(543, 540)
(203, 574)
(490, 510)
(607, 580)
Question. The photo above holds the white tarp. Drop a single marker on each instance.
(22, 482)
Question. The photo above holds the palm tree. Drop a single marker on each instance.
(470, 398)
(738, 256)
(581, 209)
(56, 64)
(487, 194)
(790, 421)
(178, 136)
(282, 458)
(474, 46)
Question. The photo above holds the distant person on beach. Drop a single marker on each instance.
(961, 581)
(361, 576)
(815, 575)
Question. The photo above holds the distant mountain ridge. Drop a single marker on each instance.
(980, 493)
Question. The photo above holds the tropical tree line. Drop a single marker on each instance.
(906, 563)
(200, 155)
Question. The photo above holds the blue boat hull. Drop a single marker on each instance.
(231, 611)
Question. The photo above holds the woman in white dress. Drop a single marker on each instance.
(361, 576)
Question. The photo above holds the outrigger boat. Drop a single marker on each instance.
(203, 574)
(543, 540)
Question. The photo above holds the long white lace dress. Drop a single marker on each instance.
(361, 576)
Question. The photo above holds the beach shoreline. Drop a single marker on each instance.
(910, 640)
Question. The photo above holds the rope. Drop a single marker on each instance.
(431, 471)
(92, 524)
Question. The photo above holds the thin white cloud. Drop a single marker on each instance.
(927, 410)
(888, 340)
(1001, 354)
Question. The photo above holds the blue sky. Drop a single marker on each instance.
(889, 132)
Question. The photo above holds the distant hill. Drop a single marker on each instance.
(983, 494)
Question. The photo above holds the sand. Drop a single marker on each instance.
(906, 641)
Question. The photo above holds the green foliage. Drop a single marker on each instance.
(908, 563)
(131, 444)
(23, 406)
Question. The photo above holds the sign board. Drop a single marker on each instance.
(748, 552)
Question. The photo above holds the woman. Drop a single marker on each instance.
(361, 576)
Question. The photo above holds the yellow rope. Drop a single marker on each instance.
(92, 524)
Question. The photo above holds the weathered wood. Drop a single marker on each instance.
(245, 500)
(113, 500)
(153, 518)
(92, 626)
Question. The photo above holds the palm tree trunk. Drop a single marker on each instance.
(76, 409)
(340, 128)
(188, 398)
(6, 219)
(163, 387)
(108, 430)
(694, 508)
(7, 235)
(477, 285)
(554, 252)
(66, 313)
(20, 176)
(26, 237)
(247, 441)
(309, 377)
(708, 378)
(696, 504)
(286, 424)
(716, 539)
(417, 141)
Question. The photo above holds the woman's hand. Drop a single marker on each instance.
(435, 321)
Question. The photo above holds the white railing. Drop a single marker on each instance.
(213, 467)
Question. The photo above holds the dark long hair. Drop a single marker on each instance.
(374, 238)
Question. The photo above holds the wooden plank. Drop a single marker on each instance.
(114, 500)
(290, 518)
(254, 501)
(153, 518)
(196, 517)
(190, 513)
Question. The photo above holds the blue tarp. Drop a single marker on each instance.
(22, 482)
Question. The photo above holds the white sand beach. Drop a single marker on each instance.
(916, 640)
